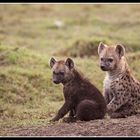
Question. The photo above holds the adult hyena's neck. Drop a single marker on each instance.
(120, 70)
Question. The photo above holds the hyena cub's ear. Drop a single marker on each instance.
(100, 47)
(69, 63)
(52, 62)
(120, 50)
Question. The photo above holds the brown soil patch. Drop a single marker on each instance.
(106, 127)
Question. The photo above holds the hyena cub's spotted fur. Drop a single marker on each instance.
(121, 89)
(83, 100)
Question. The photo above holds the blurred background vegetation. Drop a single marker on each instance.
(32, 33)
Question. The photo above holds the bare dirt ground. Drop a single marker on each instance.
(106, 127)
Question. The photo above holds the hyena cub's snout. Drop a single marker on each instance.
(61, 70)
(58, 71)
(58, 77)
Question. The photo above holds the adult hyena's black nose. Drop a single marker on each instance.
(103, 68)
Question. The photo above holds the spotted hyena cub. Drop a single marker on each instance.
(83, 100)
(121, 89)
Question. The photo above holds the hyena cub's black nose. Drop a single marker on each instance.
(56, 82)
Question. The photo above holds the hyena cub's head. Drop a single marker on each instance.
(62, 70)
(110, 56)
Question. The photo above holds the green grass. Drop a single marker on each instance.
(29, 37)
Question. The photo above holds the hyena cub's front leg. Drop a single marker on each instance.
(63, 111)
(71, 117)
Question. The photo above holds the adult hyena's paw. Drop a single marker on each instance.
(117, 115)
(110, 109)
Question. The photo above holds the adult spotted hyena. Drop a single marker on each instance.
(121, 89)
(83, 100)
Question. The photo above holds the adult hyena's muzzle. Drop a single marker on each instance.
(104, 67)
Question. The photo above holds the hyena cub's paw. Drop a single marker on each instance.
(69, 119)
(54, 119)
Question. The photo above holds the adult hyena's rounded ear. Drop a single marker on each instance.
(52, 62)
(120, 50)
(101, 47)
(69, 63)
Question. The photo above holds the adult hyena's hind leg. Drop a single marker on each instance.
(124, 111)
(88, 110)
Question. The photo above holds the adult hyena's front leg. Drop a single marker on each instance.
(118, 100)
(107, 95)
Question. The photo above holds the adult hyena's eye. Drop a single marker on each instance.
(102, 59)
(110, 59)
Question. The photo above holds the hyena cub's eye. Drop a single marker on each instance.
(54, 72)
(110, 59)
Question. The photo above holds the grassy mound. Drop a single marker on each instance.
(83, 48)
(88, 47)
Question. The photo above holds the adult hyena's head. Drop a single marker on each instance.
(62, 70)
(110, 56)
